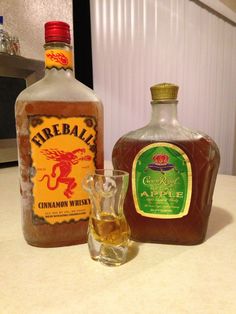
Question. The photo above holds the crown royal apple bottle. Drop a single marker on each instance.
(60, 138)
(173, 172)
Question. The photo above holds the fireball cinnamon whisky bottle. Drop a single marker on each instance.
(60, 138)
(172, 175)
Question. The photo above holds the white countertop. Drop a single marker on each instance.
(160, 279)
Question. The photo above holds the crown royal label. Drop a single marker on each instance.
(162, 181)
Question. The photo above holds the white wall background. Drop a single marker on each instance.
(137, 43)
(26, 19)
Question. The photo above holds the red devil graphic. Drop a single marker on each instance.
(65, 162)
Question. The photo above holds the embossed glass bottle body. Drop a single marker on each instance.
(173, 172)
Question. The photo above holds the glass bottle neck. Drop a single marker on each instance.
(58, 56)
(164, 113)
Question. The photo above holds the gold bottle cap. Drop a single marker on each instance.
(164, 91)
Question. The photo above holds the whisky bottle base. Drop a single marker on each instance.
(188, 242)
(56, 244)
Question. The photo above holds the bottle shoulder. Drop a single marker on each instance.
(56, 87)
(162, 132)
(172, 134)
(194, 144)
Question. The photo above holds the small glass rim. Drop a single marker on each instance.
(109, 172)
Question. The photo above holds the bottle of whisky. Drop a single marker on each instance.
(172, 171)
(59, 125)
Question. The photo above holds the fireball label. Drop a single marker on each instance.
(162, 181)
(58, 58)
(63, 151)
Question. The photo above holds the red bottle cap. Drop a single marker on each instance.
(57, 31)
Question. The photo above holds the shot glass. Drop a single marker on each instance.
(108, 232)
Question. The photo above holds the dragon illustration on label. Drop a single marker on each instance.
(64, 163)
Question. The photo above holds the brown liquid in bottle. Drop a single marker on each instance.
(44, 234)
(190, 229)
